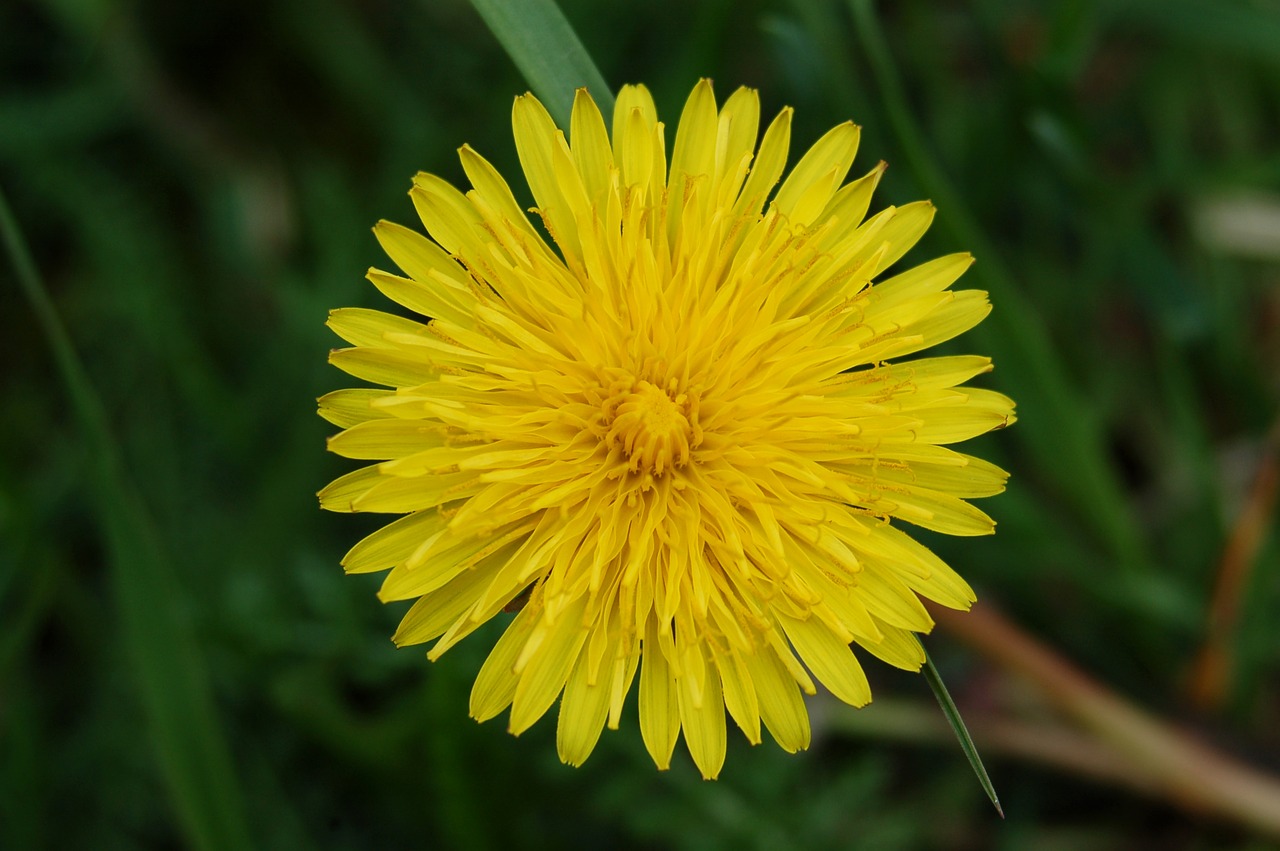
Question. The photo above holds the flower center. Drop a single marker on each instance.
(653, 428)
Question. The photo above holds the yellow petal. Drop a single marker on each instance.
(341, 493)
(822, 168)
(695, 151)
(932, 277)
(983, 411)
(493, 188)
(632, 98)
(781, 707)
(658, 154)
(362, 327)
(386, 438)
(398, 495)
(384, 366)
(904, 230)
(544, 676)
(830, 659)
(633, 143)
(623, 674)
(591, 152)
(495, 685)
(345, 408)
(394, 542)
(572, 188)
(702, 717)
(582, 714)
(738, 128)
(840, 601)
(535, 134)
(890, 601)
(898, 647)
(452, 220)
(438, 297)
(441, 609)
(417, 256)
(739, 694)
(970, 480)
(930, 509)
(443, 554)
(942, 320)
(767, 168)
(693, 163)
(908, 377)
(659, 713)
(923, 571)
(850, 204)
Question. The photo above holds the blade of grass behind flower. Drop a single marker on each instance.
(934, 679)
(1054, 424)
(545, 48)
(174, 689)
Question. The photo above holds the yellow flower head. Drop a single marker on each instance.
(680, 441)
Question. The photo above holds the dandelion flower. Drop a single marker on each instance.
(677, 438)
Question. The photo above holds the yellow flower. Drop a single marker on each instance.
(676, 442)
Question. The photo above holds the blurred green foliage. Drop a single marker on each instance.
(197, 183)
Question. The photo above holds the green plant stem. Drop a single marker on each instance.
(173, 686)
(952, 714)
(1055, 422)
(548, 53)
(1179, 767)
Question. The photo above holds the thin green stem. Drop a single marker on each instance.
(173, 687)
(88, 410)
(934, 679)
(1178, 765)
(1055, 423)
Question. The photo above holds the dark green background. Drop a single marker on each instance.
(197, 183)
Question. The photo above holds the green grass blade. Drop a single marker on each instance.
(1053, 422)
(174, 689)
(934, 679)
(545, 48)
